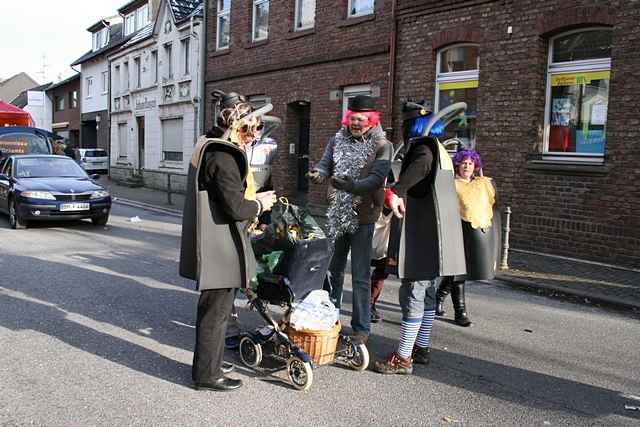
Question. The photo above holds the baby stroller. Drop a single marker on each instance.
(301, 269)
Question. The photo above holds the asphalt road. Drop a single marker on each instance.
(96, 328)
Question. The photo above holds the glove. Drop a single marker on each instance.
(316, 177)
(344, 183)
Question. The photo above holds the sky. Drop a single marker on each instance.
(56, 29)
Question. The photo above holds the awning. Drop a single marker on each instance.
(10, 115)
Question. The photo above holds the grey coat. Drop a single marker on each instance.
(215, 250)
(431, 242)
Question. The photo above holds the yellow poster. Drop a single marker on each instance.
(573, 79)
(469, 84)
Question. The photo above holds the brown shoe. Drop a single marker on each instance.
(421, 355)
(394, 364)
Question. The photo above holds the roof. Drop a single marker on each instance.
(22, 99)
(105, 22)
(143, 33)
(11, 87)
(116, 38)
(131, 5)
(184, 9)
(63, 82)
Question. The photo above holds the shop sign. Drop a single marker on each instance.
(574, 79)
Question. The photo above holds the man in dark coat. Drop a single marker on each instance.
(216, 251)
(431, 236)
(358, 160)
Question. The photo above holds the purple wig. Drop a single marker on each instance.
(468, 154)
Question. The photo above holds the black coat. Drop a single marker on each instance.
(430, 242)
(215, 250)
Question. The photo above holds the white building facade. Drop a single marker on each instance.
(155, 95)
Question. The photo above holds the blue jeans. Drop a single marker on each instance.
(360, 245)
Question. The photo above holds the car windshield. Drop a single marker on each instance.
(95, 153)
(48, 167)
(23, 143)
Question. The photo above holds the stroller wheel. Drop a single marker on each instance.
(250, 352)
(300, 373)
(358, 357)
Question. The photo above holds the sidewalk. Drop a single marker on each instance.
(586, 282)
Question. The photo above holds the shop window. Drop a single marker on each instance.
(223, 24)
(260, 29)
(457, 76)
(305, 14)
(349, 92)
(360, 7)
(577, 97)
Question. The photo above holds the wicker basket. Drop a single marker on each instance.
(320, 345)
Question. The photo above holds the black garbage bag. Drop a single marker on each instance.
(289, 224)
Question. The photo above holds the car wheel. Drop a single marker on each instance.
(15, 221)
(101, 220)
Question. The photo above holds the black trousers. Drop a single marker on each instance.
(214, 307)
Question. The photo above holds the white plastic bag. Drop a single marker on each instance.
(316, 312)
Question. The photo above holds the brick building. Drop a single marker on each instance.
(304, 57)
(66, 109)
(549, 88)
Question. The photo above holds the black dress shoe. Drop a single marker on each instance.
(221, 384)
(227, 367)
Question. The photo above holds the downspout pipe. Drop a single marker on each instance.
(392, 65)
(203, 67)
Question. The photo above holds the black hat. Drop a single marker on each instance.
(231, 99)
(362, 103)
(411, 110)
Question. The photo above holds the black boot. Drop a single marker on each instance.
(441, 295)
(457, 297)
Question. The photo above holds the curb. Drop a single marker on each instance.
(604, 300)
(149, 207)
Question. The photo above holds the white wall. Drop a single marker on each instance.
(40, 107)
(149, 100)
(99, 99)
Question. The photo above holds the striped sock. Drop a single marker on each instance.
(408, 332)
(424, 334)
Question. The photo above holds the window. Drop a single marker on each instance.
(185, 56)
(457, 74)
(578, 74)
(138, 70)
(73, 99)
(89, 87)
(305, 14)
(100, 39)
(116, 79)
(142, 17)
(169, 60)
(105, 82)
(360, 7)
(223, 24)
(59, 103)
(349, 92)
(172, 140)
(125, 71)
(129, 24)
(260, 20)
(122, 140)
(154, 65)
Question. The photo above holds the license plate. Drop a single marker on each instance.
(65, 207)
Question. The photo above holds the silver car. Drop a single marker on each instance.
(92, 160)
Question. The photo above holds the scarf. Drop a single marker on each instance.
(349, 157)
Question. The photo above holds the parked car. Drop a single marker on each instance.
(25, 140)
(49, 187)
(94, 160)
